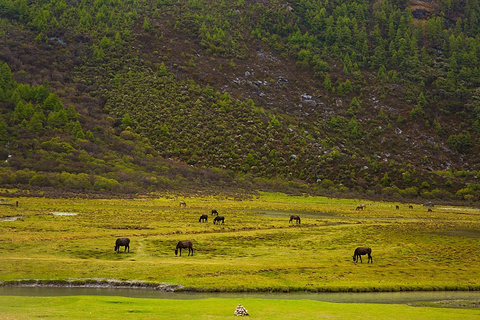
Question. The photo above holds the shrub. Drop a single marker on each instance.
(461, 142)
(104, 184)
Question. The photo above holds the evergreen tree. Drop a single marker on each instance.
(77, 131)
(6, 81)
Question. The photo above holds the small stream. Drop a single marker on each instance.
(341, 297)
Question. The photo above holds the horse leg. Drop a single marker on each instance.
(360, 258)
(370, 258)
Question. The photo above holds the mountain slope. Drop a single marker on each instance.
(340, 96)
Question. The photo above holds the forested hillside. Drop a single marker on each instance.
(366, 98)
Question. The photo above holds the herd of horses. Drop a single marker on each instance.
(187, 244)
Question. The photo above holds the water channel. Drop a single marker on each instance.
(341, 297)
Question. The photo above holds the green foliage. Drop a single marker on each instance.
(422, 101)
(162, 71)
(411, 192)
(105, 184)
(3, 131)
(6, 81)
(385, 180)
(417, 112)
(98, 54)
(52, 103)
(425, 185)
(327, 83)
(354, 107)
(460, 142)
(146, 25)
(77, 131)
(126, 121)
(354, 129)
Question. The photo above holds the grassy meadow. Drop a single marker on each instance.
(95, 307)
(257, 249)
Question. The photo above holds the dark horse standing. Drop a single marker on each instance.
(215, 212)
(203, 218)
(218, 219)
(122, 242)
(293, 217)
(184, 245)
(360, 251)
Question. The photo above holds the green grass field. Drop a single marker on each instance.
(257, 249)
(101, 307)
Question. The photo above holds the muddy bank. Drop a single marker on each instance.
(163, 287)
(93, 283)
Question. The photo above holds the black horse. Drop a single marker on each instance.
(184, 245)
(122, 242)
(293, 217)
(360, 251)
(215, 212)
(218, 219)
(203, 218)
(182, 203)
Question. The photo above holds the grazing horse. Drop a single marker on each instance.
(203, 218)
(184, 245)
(215, 212)
(182, 204)
(359, 208)
(397, 207)
(360, 251)
(122, 242)
(293, 217)
(218, 219)
(410, 207)
(430, 210)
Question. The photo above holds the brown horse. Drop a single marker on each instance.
(410, 207)
(122, 242)
(184, 245)
(360, 251)
(182, 204)
(361, 207)
(218, 219)
(215, 212)
(294, 217)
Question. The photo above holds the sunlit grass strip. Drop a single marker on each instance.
(103, 307)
